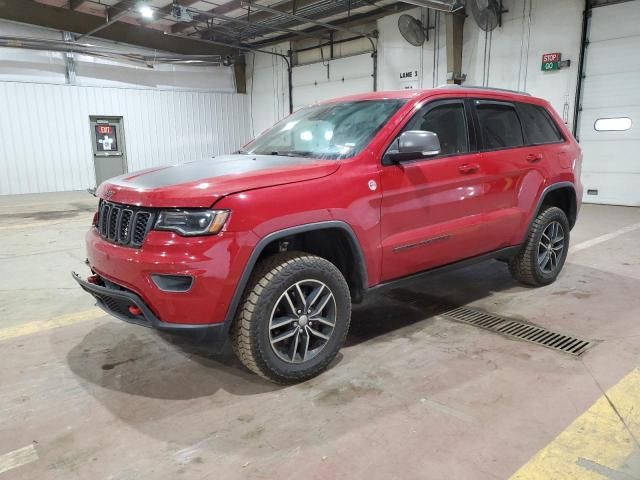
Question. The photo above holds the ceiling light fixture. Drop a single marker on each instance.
(145, 11)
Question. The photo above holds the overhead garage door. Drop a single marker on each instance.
(335, 78)
(609, 128)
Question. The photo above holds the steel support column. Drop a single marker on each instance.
(454, 30)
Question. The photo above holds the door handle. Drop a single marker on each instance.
(534, 157)
(468, 168)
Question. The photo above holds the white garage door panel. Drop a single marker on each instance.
(310, 94)
(615, 89)
(362, 65)
(346, 76)
(611, 187)
(611, 89)
(618, 55)
(615, 21)
(588, 119)
(599, 159)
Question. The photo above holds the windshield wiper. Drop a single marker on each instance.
(294, 153)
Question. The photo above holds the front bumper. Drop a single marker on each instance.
(213, 262)
(116, 301)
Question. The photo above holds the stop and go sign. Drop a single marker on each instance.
(550, 61)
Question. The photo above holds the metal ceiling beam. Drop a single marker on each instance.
(253, 17)
(337, 28)
(114, 9)
(166, 10)
(110, 20)
(354, 20)
(242, 21)
(59, 18)
(75, 4)
(162, 11)
(237, 46)
(220, 10)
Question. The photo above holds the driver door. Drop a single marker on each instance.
(432, 207)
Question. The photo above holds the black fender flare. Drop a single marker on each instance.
(543, 195)
(287, 232)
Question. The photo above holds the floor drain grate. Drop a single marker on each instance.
(523, 331)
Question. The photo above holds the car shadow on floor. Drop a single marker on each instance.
(141, 362)
(388, 313)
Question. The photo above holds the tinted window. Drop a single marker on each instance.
(499, 126)
(539, 127)
(449, 122)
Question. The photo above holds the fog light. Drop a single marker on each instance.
(135, 311)
(172, 283)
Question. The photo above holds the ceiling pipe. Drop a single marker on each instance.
(451, 6)
(105, 52)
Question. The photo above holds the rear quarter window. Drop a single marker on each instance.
(538, 125)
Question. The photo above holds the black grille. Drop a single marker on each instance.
(118, 306)
(124, 224)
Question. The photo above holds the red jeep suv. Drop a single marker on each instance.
(270, 246)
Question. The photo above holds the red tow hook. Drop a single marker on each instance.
(94, 279)
(133, 310)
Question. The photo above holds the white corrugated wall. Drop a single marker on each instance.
(45, 142)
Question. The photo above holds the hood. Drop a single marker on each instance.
(202, 183)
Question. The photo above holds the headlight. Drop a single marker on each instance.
(192, 222)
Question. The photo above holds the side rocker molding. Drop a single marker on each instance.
(287, 232)
(501, 254)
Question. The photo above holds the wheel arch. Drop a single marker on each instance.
(561, 195)
(356, 277)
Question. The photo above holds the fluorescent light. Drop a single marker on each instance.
(146, 11)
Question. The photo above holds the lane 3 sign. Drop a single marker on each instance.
(409, 79)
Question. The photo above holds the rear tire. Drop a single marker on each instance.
(293, 319)
(543, 254)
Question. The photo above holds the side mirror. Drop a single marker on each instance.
(412, 144)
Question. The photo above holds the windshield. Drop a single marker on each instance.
(331, 131)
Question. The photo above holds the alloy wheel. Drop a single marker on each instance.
(551, 247)
(302, 321)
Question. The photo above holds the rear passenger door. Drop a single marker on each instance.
(514, 171)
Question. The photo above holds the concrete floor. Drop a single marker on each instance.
(413, 395)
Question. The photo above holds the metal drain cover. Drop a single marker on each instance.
(520, 330)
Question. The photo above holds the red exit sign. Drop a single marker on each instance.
(551, 57)
(104, 129)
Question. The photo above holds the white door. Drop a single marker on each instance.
(609, 127)
(335, 78)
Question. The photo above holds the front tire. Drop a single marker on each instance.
(544, 252)
(293, 319)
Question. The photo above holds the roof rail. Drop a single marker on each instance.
(475, 87)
